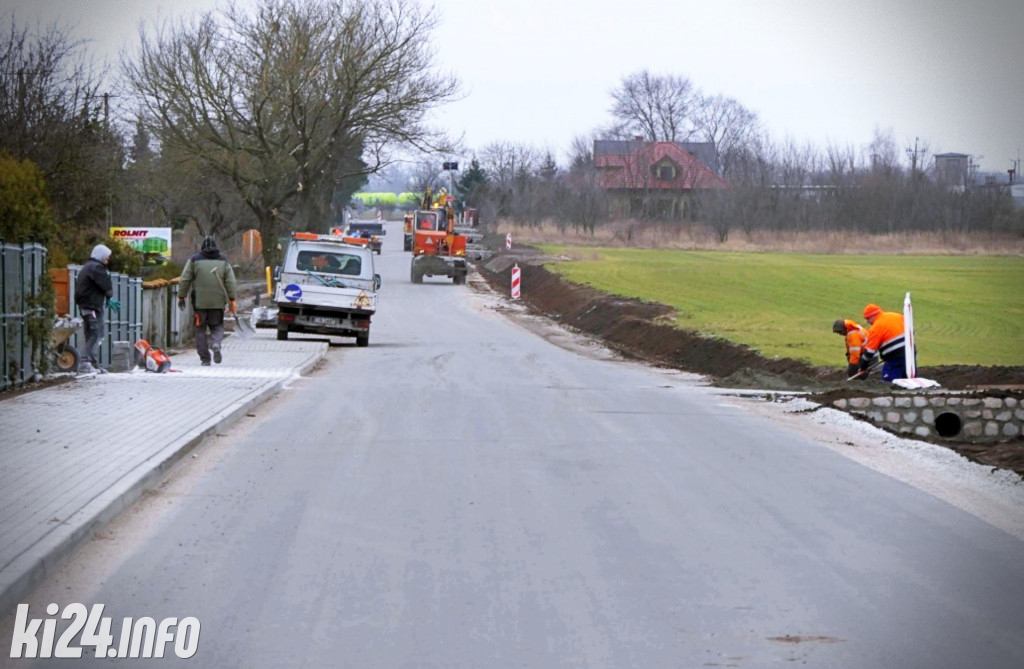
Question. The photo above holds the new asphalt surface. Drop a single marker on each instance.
(76, 454)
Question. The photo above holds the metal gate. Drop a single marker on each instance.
(21, 271)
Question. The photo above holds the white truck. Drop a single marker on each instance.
(326, 286)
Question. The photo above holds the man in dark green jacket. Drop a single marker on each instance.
(211, 281)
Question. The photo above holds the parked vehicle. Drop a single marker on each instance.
(326, 286)
(370, 230)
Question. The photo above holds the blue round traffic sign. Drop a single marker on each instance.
(292, 292)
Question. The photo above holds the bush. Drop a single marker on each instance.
(171, 270)
(409, 200)
(25, 213)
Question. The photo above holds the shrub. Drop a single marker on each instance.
(25, 213)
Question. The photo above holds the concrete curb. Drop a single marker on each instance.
(47, 556)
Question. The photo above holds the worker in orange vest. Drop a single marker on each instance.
(855, 337)
(885, 339)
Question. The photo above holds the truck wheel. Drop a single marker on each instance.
(282, 335)
(415, 276)
(363, 341)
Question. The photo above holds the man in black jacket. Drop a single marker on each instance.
(92, 288)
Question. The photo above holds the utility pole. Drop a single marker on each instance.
(972, 169)
(106, 142)
(913, 155)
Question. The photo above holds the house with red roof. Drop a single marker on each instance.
(654, 179)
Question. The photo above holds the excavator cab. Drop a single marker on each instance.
(437, 250)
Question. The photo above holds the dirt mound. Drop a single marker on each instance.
(636, 329)
(632, 328)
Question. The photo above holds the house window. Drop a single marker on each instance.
(665, 171)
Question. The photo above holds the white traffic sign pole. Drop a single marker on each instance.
(908, 336)
(515, 282)
(508, 242)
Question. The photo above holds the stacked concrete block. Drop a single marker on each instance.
(932, 416)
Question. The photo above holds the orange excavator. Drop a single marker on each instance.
(437, 249)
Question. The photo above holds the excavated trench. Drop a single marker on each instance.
(978, 412)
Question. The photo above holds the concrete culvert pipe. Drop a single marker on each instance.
(948, 424)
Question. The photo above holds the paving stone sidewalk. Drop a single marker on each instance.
(74, 455)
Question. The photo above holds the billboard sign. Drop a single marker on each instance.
(153, 243)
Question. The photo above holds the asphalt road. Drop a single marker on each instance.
(465, 493)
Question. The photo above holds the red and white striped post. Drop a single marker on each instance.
(515, 282)
(508, 242)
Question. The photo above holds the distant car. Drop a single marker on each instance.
(371, 230)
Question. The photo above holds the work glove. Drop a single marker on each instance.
(852, 369)
(115, 306)
(181, 303)
(232, 307)
(865, 361)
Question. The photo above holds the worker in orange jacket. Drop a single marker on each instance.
(885, 339)
(855, 337)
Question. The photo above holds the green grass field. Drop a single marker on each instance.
(967, 309)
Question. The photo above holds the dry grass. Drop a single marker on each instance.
(626, 234)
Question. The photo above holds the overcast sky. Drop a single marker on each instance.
(950, 72)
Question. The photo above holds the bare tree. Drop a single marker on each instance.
(294, 98)
(581, 152)
(170, 189)
(730, 126)
(656, 107)
(426, 175)
(797, 165)
(508, 165)
(503, 161)
(585, 201)
(883, 154)
(52, 112)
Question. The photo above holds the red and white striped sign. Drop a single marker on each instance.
(508, 242)
(515, 282)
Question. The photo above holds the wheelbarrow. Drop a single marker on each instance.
(65, 356)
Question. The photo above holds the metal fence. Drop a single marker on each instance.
(21, 271)
(125, 325)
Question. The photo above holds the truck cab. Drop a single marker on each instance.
(373, 231)
(326, 286)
